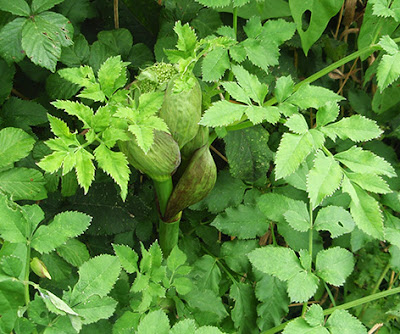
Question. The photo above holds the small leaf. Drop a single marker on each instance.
(284, 88)
(388, 70)
(257, 114)
(299, 325)
(327, 113)
(315, 315)
(13, 226)
(370, 182)
(112, 75)
(128, 258)
(58, 303)
(187, 38)
(244, 312)
(334, 265)
(222, 113)
(297, 216)
(389, 45)
(297, 124)
(176, 259)
(302, 286)
(250, 84)
(83, 112)
(64, 226)
(214, 64)
(74, 252)
(342, 322)
(154, 322)
(15, 144)
(334, 219)
(96, 308)
(84, 168)
(236, 92)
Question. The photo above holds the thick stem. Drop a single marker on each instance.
(164, 190)
(27, 272)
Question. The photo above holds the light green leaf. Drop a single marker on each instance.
(334, 219)
(323, 179)
(214, 64)
(128, 257)
(183, 285)
(10, 40)
(187, 39)
(15, 144)
(17, 7)
(154, 322)
(327, 113)
(59, 127)
(257, 114)
(250, 84)
(297, 216)
(244, 312)
(53, 162)
(292, 151)
(300, 326)
(342, 322)
(283, 88)
(39, 6)
(214, 3)
(274, 206)
(260, 53)
(357, 128)
(64, 226)
(236, 92)
(83, 112)
(84, 168)
(56, 302)
(112, 75)
(321, 12)
(176, 259)
(11, 265)
(280, 262)
(315, 315)
(302, 286)
(23, 183)
(13, 226)
(389, 45)
(222, 113)
(365, 162)
(388, 70)
(82, 76)
(244, 222)
(114, 164)
(297, 124)
(74, 252)
(334, 265)
(370, 182)
(77, 54)
(96, 308)
(308, 96)
(96, 277)
(144, 136)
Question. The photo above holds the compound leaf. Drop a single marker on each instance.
(308, 96)
(222, 113)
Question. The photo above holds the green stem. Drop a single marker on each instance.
(164, 190)
(345, 306)
(310, 236)
(234, 24)
(27, 271)
(330, 294)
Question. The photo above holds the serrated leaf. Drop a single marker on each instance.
(116, 42)
(112, 75)
(214, 64)
(299, 325)
(388, 70)
(389, 45)
(260, 53)
(382, 8)
(283, 88)
(292, 151)
(236, 92)
(39, 6)
(11, 265)
(214, 3)
(370, 182)
(96, 277)
(334, 219)
(176, 259)
(56, 302)
(274, 206)
(96, 308)
(10, 40)
(187, 38)
(342, 322)
(323, 179)
(327, 113)
(361, 161)
(15, 144)
(321, 13)
(64, 226)
(84, 168)
(186, 326)
(315, 315)
(18, 7)
(206, 274)
(334, 265)
(244, 312)
(297, 124)
(74, 252)
(82, 76)
(258, 114)
(23, 183)
(83, 112)
(244, 222)
(297, 216)
(222, 113)
(302, 286)
(154, 322)
(308, 96)
(235, 253)
(116, 165)
(128, 258)
(357, 128)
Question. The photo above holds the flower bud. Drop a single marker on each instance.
(181, 110)
(39, 268)
(160, 162)
(198, 141)
(195, 184)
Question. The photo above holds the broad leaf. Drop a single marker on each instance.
(342, 322)
(323, 179)
(334, 265)
(10, 40)
(243, 313)
(17, 7)
(13, 226)
(334, 219)
(64, 226)
(15, 144)
(154, 322)
(39, 6)
(96, 277)
(96, 308)
(299, 325)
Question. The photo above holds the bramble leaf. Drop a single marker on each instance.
(15, 144)
(10, 40)
(18, 7)
(64, 226)
(323, 179)
(334, 219)
(39, 6)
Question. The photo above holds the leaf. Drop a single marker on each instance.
(234, 253)
(297, 216)
(214, 64)
(248, 153)
(283, 88)
(96, 277)
(321, 12)
(64, 226)
(18, 7)
(274, 206)
(116, 165)
(388, 70)
(176, 259)
(128, 258)
(77, 54)
(302, 287)
(214, 3)
(112, 75)
(52, 301)
(15, 144)
(388, 44)
(315, 315)
(23, 183)
(96, 308)
(244, 222)
(334, 219)
(323, 179)
(342, 322)
(14, 227)
(206, 274)
(297, 124)
(292, 151)
(236, 92)
(243, 313)
(257, 115)
(365, 162)
(154, 322)
(334, 265)
(357, 128)
(74, 252)
(11, 265)
(39, 6)
(187, 326)
(222, 113)
(187, 39)
(119, 41)
(84, 169)
(327, 113)
(83, 112)
(370, 182)
(10, 40)
(299, 325)
(308, 96)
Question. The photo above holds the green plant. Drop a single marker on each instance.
(138, 227)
